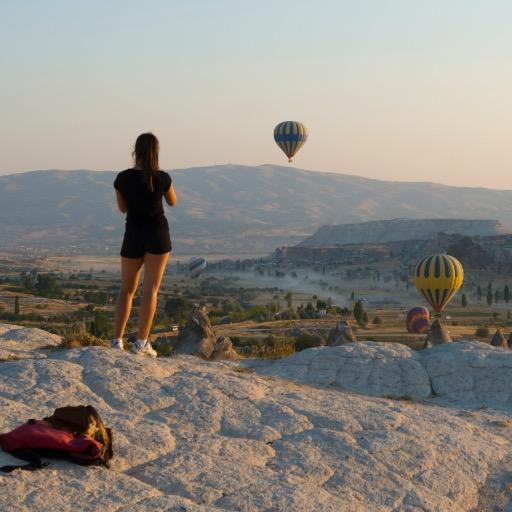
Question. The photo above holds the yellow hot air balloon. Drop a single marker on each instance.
(438, 278)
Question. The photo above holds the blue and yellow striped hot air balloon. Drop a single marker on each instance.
(438, 278)
(290, 136)
(196, 266)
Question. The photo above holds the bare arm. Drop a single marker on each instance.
(170, 196)
(121, 203)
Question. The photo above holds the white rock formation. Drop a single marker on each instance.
(379, 369)
(470, 374)
(21, 342)
(194, 435)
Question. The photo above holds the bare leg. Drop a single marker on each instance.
(130, 270)
(154, 268)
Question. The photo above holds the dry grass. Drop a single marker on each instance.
(243, 369)
(502, 423)
(11, 358)
(466, 414)
(80, 337)
(405, 398)
(163, 349)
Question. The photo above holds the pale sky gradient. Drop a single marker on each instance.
(389, 89)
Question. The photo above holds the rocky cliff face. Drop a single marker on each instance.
(399, 230)
(473, 252)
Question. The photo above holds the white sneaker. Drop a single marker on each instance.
(144, 349)
(117, 344)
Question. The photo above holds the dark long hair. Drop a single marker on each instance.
(145, 155)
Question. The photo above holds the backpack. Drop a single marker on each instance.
(75, 433)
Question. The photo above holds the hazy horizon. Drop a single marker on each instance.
(402, 91)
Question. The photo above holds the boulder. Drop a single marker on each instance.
(341, 335)
(224, 349)
(498, 340)
(470, 373)
(437, 335)
(467, 373)
(197, 338)
(366, 367)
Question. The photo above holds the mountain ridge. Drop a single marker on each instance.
(280, 167)
(227, 208)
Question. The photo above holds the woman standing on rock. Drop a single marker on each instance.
(146, 242)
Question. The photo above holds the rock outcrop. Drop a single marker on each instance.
(215, 437)
(498, 340)
(472, 374)
(223, 349)
(198, 338)
(470, 253)
(379, 369)
(25, 342)
(341, 335)
(437, 335)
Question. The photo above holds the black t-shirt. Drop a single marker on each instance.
(143, 206)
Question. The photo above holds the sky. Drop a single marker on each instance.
(403, 90)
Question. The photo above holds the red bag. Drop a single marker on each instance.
(38, 435)
(76, 433)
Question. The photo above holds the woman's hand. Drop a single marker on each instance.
(170, 196)
(121, 203)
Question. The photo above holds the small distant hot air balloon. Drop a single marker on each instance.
(196, 266)
(290, 136)
(417, 320)
(438, 278)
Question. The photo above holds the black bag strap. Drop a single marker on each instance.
(33, 459)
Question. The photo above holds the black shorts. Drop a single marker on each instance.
(141, 240)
